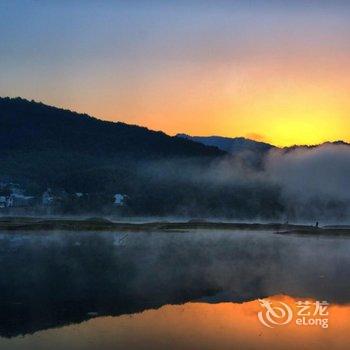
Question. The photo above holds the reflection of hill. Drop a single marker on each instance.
(57, 279)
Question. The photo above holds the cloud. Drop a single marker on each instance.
(312, 172)
(301, 184)
(314, 181)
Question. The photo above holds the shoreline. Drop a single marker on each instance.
(100, 224)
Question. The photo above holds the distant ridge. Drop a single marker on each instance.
(235, 145)
(230, 145)
(338, 143)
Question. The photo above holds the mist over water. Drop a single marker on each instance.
(54, 279)
(313, 179)
(302, 184)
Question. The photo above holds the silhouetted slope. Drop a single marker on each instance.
(46, 147)
(31, 126)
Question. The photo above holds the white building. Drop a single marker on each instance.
(6, 201)
(3, 202)
(119, 199)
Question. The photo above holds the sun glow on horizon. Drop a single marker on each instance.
(273, 71)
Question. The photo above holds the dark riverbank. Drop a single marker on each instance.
(101, 224)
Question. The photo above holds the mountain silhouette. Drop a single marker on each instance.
(31, 126)
(47, 147)
(231, 145)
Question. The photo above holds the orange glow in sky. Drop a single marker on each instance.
(275, 71)
(281, 102)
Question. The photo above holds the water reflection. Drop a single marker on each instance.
(191, 326)
(51, 280)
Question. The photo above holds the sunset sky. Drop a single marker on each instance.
(273, 70)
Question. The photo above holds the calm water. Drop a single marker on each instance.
(194, 290)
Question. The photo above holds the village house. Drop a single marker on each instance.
(119, 199)
(3, 202)
(12, 195)
(15, 201)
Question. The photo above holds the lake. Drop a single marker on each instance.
(172, 290)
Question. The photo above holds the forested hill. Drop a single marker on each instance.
(30, 126)
(46, 147)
